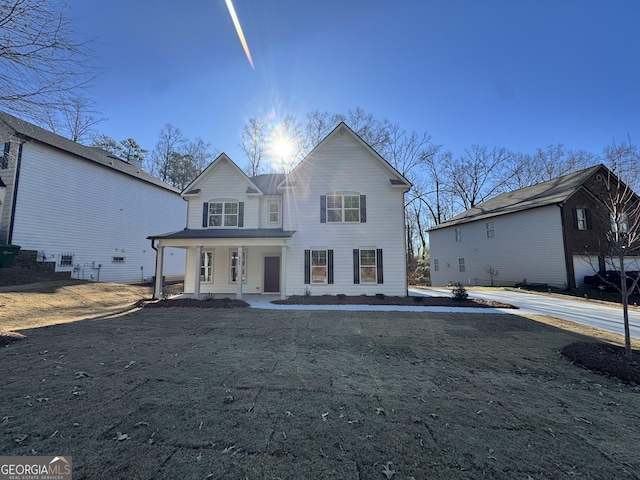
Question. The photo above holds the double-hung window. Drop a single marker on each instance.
(274, 213)
(343, 208)
(491, 233)
(581, 218)
(318, 266)
(206, 267)
(368, 266)
(223, 214)
(458, 233)
(436, 265)
(461, 267)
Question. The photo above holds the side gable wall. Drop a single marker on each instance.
(527, 245)
(68, 205)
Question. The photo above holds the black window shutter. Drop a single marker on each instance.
(363, 209)
(241, 214)
(205, 214)
(330, 266)
(307, 267)
(323, 209)
(356, 266)
(587, 214)
(574, 214)
(380, 278)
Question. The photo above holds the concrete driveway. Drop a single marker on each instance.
(599, 315)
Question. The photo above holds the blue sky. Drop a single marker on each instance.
(516, 74)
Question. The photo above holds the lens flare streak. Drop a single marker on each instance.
(236, 23)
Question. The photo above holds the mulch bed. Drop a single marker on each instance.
(385, 300)
(195, 303)
(606, 359)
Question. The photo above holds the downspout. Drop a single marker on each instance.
(15, 195)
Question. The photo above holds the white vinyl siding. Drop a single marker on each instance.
(342, 166)
(94, 213)
(529, 246)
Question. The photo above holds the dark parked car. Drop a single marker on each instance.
(606, 279)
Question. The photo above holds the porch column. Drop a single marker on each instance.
(157, 288)
(239, 274)
(196, 284)
(283, 274)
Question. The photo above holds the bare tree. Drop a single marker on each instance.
(75, 121)
(252, 143)
(170, 141)
(478, 175)
(200, 154)
(621, 214)
(43, 67)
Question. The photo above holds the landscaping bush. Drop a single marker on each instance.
(459, 292)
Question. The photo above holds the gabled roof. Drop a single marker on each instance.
(193, 187)
(551, 192)
(395, 177)
(268, 182)
(94, 155)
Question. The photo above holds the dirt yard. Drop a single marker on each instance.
(249, 394)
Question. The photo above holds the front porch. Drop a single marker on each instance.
(227, 262)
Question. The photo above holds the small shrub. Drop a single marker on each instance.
(418, 299)
(459, 292)
(208, 297)
(307, 292)
(380, 296)
(341, 296)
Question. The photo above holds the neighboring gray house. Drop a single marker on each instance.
(548, 233)
(82, 208)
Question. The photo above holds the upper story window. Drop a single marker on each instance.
(436, 265)
(458, 232)
(490, 230)
(619, 223)
(274, 213)
(581, 218)
(461, 266)
(343, 208)
(223, 214)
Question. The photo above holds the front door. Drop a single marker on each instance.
(271, 274)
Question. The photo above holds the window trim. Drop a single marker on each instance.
(374, 266)
(458, 234)
(436, 265)
(461, 265)
(356, 211)
(209, 253)
(223, 202)
(325, 266)
(491, 232)
(581, 218)
(270, 212)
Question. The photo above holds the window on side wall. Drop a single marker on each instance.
(458, 234)
(436, 265)
(206, 267)
(233, 267)
(490, 230)
(461, 265)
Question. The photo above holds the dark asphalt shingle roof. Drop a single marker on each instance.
(551, 192)
(225, 233)
(268, 182)
(90, 154)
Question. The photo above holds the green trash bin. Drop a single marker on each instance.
(8, 254)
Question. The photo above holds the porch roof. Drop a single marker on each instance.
(224, 233)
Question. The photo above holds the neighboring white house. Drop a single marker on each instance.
(82, 208)
(334, 224)
(550, 233)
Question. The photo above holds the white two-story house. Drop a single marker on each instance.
(334, 224)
